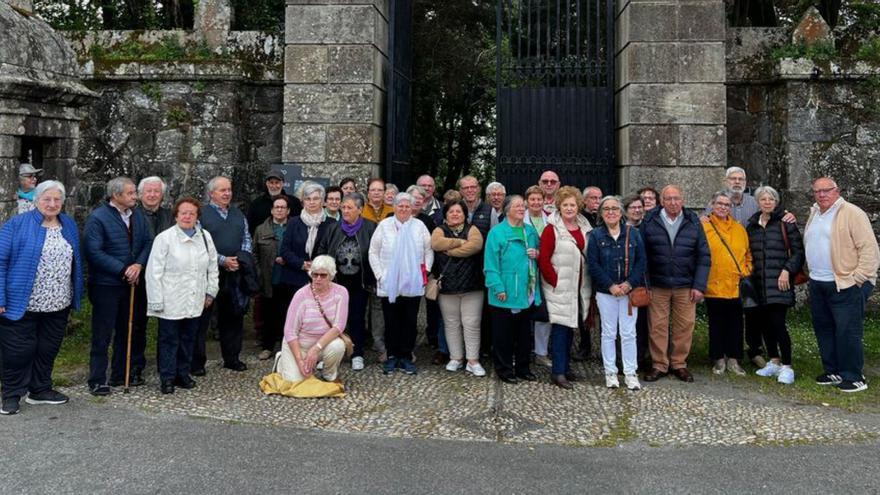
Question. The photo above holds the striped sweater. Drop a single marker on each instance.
(304, 321)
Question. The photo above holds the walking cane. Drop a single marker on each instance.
(128, 342)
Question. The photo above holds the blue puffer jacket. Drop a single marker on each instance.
(107, 248)
(21, 244)
(607, 259)
(682, 265)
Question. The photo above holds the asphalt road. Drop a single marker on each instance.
(84, 447)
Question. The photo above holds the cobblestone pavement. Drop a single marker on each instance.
(442, 405)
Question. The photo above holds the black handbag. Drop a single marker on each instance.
(747, 293)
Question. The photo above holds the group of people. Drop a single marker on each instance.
(514, 277)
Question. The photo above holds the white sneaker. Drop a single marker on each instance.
(611, 381)
(632, 382)
(720, 367)
(475, 369)
(772, 369)
(543, 361)
(320, 366)
(453, 365)
(357, 363)
(786, 375)
(734, 367)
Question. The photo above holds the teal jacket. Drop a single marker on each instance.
(506, 266)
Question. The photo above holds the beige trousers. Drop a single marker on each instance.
(331, 355)
(461, 320)
(671, 304)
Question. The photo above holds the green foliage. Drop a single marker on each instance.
(870, 51)
(818, 52)
(199, 86)
(168, 49)
(258, 15)
(79, 15)
(70, 15)
(152, 90)
(177, 115)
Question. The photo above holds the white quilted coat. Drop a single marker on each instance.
(573, 281)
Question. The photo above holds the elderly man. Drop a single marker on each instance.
(432, 206)
(151, 192)
(27, 178)
(117, 243)
(229, 229)
(261, 206)
(678, 268)
(549, 184)
(495, 194)
(592, 198)
(479, 213)
(843, 258)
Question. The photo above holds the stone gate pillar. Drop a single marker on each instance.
(670, 95)
(334, 92)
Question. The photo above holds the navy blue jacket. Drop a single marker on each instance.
(682, 265)
(606, 258)
(293, 250)
(106, 246)
(21, 244)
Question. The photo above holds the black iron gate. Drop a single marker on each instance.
(398, 114)
(555, 92)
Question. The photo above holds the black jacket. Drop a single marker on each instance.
(460, 275)
(332, 239)
(481, 218)
(293, 250)
(261, 208)
(770, 257)
(684, 264)
(243, 283)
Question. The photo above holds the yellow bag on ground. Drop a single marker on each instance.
(311, 387)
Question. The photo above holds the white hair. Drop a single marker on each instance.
(149, 180)
(734, 170)
(310, 187)
(401, 197)
(47, 185)
(761, 191)
(323, 263)
(494, 186)
(418, 189)
(212, 184)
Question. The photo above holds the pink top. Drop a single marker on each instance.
(304, 321)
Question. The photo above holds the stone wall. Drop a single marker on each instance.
(790, 121)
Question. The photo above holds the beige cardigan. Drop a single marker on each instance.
(855, 255)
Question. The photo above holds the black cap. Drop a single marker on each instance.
(275, 174)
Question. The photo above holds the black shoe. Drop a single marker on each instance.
(185, 381)
(100, 390)
(573, 377)
(236, 366)
(198, 372)
(528, 376)
(10, 406)
(828, 379)
(116, 382)
(167, 386)
(52, 397)
(580, 355)
(850, 387)
(509, 379)
(136, 379)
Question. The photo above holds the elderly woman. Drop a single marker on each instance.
(617, 261)
(182, 280)
(565, 283)
(348, 242)
(511, 270)
(302, 236)
(537, 217)
(27, 178)
(649, 197)
(634, 211)
(275, 295)
(391, 192)
(315, 320)
(40, 280)
(457, 267)
(731, 261)
(401, 257)
(332, 201)
(777, 255)
(348, 186)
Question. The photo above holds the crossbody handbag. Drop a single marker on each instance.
(349, 345)
(639, 297)
(747, 293)
(800, 277)
(432, 288)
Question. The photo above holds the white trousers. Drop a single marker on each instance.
(615, 319)
(542, 337)
(331, 355)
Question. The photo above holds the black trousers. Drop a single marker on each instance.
(230, 326)
(642, 339)
(725, 328)
(29, 348)
(357, 312)
(433, 319)
(772, 327)
(274, 314)
(110, 310)
(174, 354)
(754, 333)
(400, 325)
(511, 341)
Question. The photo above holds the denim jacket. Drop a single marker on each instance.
(606, 258)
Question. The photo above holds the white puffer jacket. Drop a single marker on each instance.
(382, 249)
(180, 272)
(573, 281)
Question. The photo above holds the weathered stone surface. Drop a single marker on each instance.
(10, 146)
(332, 104)
(703, 145)
(354, 64)
(213, 20)
(646, 21)
(304, 143)
(61, 148)
(701, 20)
(701, 62)
(672, 104)
(648, 145)
(812, 29)
(342, 24)
(748, 52)
(642, 62)
(336, 171)
(354, 143)
(306, 64)
(698, 183)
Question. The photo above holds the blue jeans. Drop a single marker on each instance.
(175, 346)
(561, 338)
(838, 321)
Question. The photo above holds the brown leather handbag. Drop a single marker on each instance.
(800, 277)
(639, 297)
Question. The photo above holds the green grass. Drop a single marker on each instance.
(806, 363)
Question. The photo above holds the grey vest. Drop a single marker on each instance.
(228, 234)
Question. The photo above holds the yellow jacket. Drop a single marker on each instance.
(723, 276)
(374, 215)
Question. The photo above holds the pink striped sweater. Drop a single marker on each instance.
(304, 321)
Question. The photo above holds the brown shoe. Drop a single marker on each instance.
(683, 374)
(654, 375)
(561, 381)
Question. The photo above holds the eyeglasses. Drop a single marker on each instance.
(827, 190)
(549, 181)
(635, 207)
(320, 275)
(610, 209)
(723, 205)
(280, 208)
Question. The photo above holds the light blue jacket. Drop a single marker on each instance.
(506, 266)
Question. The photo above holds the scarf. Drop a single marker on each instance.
(456, 230)
(404, 275)
(312, 222)
(28, 196)
(351, 229)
